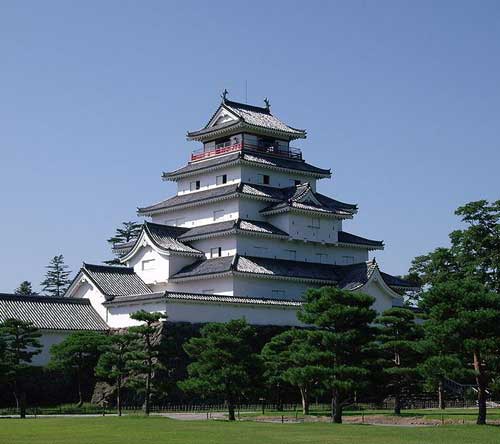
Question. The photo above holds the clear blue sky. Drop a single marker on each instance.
(401, 99)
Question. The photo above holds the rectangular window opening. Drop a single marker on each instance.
(148, 264)
(215, 252)
(195, 185)
(218, 214)
(221, 180)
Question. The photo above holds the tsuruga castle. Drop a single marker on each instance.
(245, 235)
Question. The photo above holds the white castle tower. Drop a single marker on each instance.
(246, 234)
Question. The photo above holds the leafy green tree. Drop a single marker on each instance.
(295, 357)
(25, 289)
(20, 342)
(223, 361)
(113, 363)
(465, 316)
(56, 279)
(127, 232)
(398, 338)
(439, 366)
(474, 251)
(144, 360)
(79, 353)
(345, 319)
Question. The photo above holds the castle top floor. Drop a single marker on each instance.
(241, 127)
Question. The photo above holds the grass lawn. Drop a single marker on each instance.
(155, 430)
(468, 414)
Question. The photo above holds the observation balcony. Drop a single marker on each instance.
(229, 147)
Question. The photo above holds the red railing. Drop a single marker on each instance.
(291, 152)
(201, 154)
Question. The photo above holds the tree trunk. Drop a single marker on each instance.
(442, 404)
(230, 406)
(22, 405)
(336, 409)
(305, 400)
(481, 389)
(79, 384)
(119, 396)
(147, 394)
(397, 405)
(279, 401)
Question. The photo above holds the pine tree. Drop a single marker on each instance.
(143, 359)
(398, 338)
(126, 233)
(295, 357)
(19, 343)
(79, 353)
(57, 277)
(463, 317)
(344, 318)
(25, 289)
(114, 365)
(223, 362)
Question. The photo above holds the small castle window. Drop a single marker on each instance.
(263, 179)
(148, 264)
(194, 185)
(218, 214)
(220, 180)
(278, 294)
(215, 252)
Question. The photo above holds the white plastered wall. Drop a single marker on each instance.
(119, 315)
(218, 285)
(87, 290)
(47, 340)
(208, 180)
(203, 312)
(199, 215)
(251, 174)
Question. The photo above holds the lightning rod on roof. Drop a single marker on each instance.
(224, 95)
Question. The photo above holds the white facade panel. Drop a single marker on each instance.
(200, 214)
(208, 180)
(251, 174)
(221, 285)
(203, 312)
(47, 340)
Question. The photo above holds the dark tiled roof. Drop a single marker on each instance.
(190, 198)
(206, 267)
(356, 275)
(244, 225)
(348, 277)
(256, 226)
(296, 197)
(51, 313)
(284, 163)
(115, 281)
(148, 297)
(395, 281)
(253, 116)
(259, 265)
(259, 191)
(349, 238)
(170, 295)
(249, 157)
(285, 268)
(166, 237)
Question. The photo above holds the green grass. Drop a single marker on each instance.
(155, 430)
(468, 414)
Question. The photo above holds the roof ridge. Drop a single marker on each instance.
(261, 109)
(107, 267)
(44, 298)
